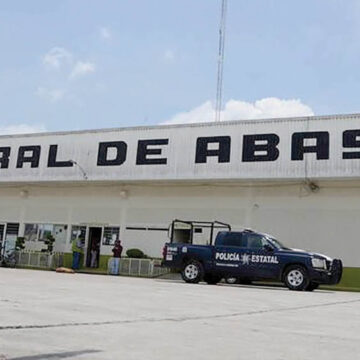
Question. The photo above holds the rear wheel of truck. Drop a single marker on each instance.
(192, 272)
(212, 279)
(296, 278)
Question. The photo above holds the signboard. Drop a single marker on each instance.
(315, 147)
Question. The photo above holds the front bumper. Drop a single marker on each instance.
(331, 276)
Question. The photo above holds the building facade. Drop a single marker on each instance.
(297, 179)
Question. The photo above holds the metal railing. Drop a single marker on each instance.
(128, 266)
(39, 259)
(141, 267)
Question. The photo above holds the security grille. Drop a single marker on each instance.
(12, 229)
(2, 228)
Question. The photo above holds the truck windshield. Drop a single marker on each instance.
(277, 243)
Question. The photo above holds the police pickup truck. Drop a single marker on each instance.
(243, 255)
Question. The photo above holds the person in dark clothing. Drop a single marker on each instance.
(115, 261)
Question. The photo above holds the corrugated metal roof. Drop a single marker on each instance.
(202, 124)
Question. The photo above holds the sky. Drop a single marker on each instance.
(86, 64)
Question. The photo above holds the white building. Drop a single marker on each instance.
(297, 179)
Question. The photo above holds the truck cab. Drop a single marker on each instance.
(245, 256)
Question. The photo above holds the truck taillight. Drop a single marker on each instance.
(164, 250)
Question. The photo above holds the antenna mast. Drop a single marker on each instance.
(222, 29)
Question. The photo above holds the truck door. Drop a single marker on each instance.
(228, 253)
(261, 261)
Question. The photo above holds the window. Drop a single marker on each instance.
(198, 230)
(231, 239)
(60, 233)
(146, 228)
(255, 241)
(40, 232)
(44, 231)
(31, 232)
(78, 231)
(11, 234)
(111, 234)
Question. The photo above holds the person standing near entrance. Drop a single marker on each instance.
(94, 255)
(115, 263)
(77, 250)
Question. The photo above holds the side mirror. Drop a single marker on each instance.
(268, 248)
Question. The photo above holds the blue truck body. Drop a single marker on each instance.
(251, 256)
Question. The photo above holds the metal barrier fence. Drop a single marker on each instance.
(140, 267)
(39, 259)
(128, 266)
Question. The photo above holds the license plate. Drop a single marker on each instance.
(169, 257)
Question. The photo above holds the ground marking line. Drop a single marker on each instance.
(188, 318)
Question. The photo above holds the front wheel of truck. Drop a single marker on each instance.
(296, 278)
(192, 272)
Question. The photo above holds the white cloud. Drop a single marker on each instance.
(81, 69)
(21, 129)
(241, 110)
(52, 95)
(105, 33)
(56, 57)
(169, 55)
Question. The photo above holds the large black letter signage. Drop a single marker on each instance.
(268, 145)
(4, 157)
(350, 140)
(120, 157)
(144, 150)
(52, 162)
(32, 158)
(321, 148)
(203, 151)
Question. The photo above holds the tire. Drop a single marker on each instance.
(231, 280)
(212, 279)
(296, 278)
(192, 272)
(312, 286)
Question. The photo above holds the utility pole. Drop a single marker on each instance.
(222, 29)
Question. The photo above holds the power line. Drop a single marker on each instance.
(221, 54)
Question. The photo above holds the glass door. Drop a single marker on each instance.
(12, 232)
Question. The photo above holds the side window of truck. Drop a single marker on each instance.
(234, 239)
(255, 241)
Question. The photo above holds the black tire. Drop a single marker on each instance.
(231, 280)
(192, 272)
(296, 278)
(212, 279)
(312, 286)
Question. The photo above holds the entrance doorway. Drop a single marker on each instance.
(2, 236)
(93, 250)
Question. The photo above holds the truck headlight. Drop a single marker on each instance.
(318, 263)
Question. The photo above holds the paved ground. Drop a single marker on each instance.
(44, 315)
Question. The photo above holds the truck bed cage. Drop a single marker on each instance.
(201, 224)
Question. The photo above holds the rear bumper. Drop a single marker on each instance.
(331, 277)
(171, 264)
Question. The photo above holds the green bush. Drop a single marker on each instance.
(135, 253)
(20, 243)
(49, 242)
